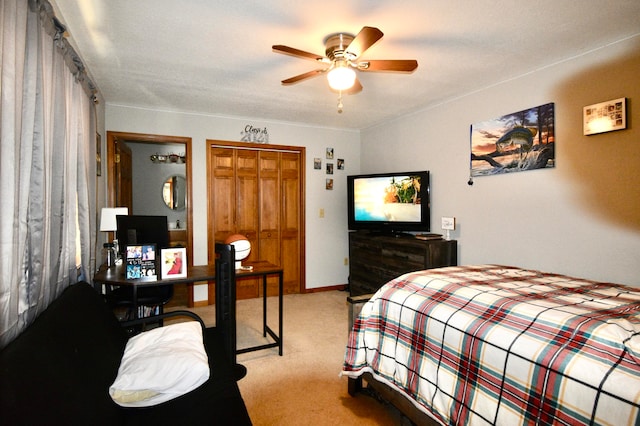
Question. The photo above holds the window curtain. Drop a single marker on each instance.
(47, 165)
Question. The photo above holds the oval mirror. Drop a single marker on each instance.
(174, 192)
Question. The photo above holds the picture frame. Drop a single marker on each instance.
(329, 184)
(329, 168)
(317, 163)
(604, 117)
(141, 262)
(173, 262)
(515, 142)
(329, 153)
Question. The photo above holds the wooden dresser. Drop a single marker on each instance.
(377, 259)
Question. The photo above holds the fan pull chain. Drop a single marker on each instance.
(340, 102)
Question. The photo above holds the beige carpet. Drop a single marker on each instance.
(303, 386)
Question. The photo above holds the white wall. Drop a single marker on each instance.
(580, 218)
(326, 238)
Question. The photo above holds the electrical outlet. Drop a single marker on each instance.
(449, 223)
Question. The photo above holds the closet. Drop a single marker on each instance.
(257, 190)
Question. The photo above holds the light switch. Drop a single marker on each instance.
(321, 213)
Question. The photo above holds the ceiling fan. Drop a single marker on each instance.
(343, 57)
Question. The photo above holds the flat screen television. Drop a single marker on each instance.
(139, 229)
(389, 202)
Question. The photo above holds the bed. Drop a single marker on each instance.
(500, 345)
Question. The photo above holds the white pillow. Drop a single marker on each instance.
(161, 364)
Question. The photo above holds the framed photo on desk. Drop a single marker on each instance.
(173, 263)
(141, 261)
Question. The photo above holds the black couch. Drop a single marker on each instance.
(58, 371)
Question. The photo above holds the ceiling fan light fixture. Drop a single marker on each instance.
(343, 58)
(341, 76)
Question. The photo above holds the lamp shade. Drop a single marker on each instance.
(342, 76)
(241, 246)
(108, 215)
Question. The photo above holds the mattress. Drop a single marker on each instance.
(500, 345)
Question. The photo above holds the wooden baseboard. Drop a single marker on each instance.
(200, 303)
(340, 287)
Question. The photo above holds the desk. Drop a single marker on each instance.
(116, 276)
(264, 269)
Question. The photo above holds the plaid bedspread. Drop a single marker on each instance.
(496, 345)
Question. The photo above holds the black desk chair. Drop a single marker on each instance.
(226, 303)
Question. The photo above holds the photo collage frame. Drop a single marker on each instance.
(141, 262)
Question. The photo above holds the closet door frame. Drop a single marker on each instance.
(210, 208)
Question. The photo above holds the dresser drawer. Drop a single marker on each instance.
(375, 260)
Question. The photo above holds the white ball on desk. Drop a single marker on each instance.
(241, 245)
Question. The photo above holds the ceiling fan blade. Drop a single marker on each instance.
(299, 78)
(394, 65)
(297, 52)
(364, 40)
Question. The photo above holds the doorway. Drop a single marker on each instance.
(120, 182)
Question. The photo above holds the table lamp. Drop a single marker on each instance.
(108, 222)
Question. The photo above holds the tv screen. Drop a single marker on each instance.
(389, 202)
(138, 229)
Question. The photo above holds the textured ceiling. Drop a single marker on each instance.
(215, 57)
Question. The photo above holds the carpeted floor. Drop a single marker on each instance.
(302, 387)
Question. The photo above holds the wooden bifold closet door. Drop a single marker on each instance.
(258, 191)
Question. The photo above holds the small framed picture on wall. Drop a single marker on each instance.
(605, 116)
(329, 184)
(329, 168)
(329, 153)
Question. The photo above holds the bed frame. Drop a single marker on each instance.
(376, 388)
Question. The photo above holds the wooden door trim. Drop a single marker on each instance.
(112, 137)
(254, 146)
(263, 147)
